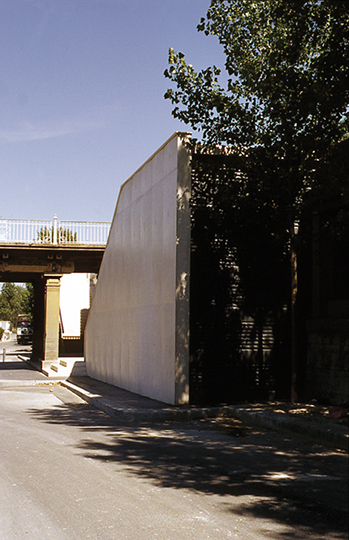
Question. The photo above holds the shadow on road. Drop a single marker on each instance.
(264, 475)
(15, 365)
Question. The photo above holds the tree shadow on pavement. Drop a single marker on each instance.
(292, 483)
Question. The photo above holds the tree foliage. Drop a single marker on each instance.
(286, 91)
(278, 115)
(15, 299)
(45, 235)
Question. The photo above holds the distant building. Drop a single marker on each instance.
(75, 296)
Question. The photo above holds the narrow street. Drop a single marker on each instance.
(69, 472)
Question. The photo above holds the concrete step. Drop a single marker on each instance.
(66, 367)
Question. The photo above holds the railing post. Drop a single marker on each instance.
(54, 240)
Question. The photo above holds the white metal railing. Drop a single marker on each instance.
(18, 231)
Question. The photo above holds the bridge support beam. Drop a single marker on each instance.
(51, 336)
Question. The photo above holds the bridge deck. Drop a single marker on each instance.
(24, 262)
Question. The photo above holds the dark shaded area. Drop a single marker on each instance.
(259, 474)
(327, 217)
(241, 329)
(13, 366)
(239, 288)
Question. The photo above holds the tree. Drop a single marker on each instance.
(288, 93)
(284, 106)
(15, 299)
(288, 90)
(63, 236)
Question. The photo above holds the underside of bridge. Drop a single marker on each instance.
(43, 266)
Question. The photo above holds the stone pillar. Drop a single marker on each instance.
(39, 286)
(51, 342)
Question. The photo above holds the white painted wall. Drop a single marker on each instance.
(5, 325)
(137, 331)
(74, 297)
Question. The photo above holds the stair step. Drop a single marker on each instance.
(66, 367)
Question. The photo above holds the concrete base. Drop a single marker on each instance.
(65, 367)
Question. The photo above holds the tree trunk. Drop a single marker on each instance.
(294, 290)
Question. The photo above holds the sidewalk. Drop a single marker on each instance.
(307, 420)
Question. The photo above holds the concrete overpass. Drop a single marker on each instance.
(40, 252)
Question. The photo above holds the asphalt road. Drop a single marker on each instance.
(12, 349)
(69, 472)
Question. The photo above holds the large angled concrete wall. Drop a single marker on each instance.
(137, 332)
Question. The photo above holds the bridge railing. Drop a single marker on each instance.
(18, 231)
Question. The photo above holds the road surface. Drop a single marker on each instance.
(69, 472)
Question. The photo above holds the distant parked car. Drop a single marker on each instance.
(24, 331)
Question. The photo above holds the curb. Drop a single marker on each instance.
(334, 436)
(152, 415)
(20, 384)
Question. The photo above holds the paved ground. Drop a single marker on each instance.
(174, 472)
(308, 420)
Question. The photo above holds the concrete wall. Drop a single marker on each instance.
(327, 375)
(137, 331)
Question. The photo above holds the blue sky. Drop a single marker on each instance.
(81, 98)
